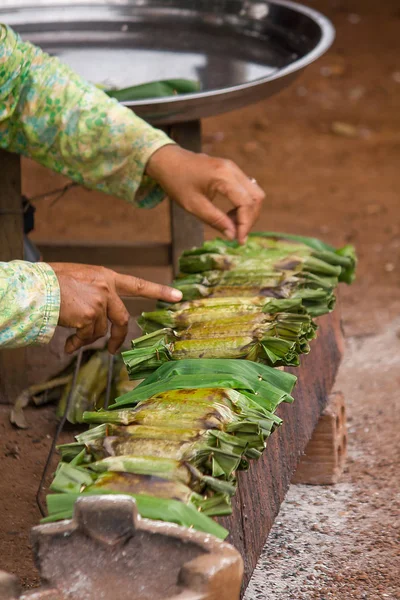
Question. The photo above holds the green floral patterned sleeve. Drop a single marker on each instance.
(49, 113)
(29, 303)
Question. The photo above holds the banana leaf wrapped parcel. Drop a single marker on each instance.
(268, 387)
(272, 252)
(176, 452)
(210, 389)
(275, 341)
(214, 412)
(268, 265)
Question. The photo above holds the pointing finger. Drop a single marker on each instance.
(134, 286)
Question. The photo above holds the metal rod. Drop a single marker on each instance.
(57, 434)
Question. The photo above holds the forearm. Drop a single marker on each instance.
(49, 113)
(29, 303)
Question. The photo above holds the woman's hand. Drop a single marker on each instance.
(194, 180)
(90, 298)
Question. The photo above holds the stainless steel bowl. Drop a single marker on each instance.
(241, 51)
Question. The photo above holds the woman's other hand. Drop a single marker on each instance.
(194, 180)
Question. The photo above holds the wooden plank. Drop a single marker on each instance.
(11, 215)
(186, 230)
(12, 362)
(325, 455)
(109, 254)
(263, 487)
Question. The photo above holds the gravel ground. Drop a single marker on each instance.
(342, 541)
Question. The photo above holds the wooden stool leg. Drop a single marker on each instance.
(325, 454)
(186, 230)
(12, 362)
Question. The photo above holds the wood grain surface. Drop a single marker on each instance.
(262, 488)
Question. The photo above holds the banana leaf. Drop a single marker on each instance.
(278, 245)
(196, 380)
(209, 414)
(286, 326)
(345, 257)
(291, 258)
(225, 262)
(201, 409)
(137, 431)
(314, 291)
(132, 483)
(89, 389)
(71, 478)
(61, 506)
(155, 89)
(213, 309)
(198, 453)
(268, 386)
(221, 459)
(164, 468)
(256, 373)
(214, 452)
(215, 342)
(240, 278)
(96, 448)
(70, 451)
(128, 483)
(152, 470)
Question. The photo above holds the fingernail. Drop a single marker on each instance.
(176, 295)
(229, 234)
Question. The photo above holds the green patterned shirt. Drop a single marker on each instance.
(50, 114)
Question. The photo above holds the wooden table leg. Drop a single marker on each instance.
(12, 362)
(186, 230)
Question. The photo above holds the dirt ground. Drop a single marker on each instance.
(327, 153)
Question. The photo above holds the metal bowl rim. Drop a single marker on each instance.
(327, 37)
